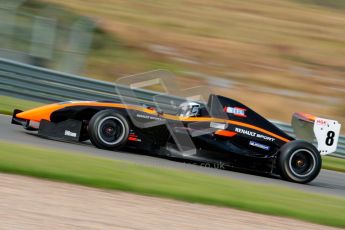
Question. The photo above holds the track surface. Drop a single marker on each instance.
(29, 203)
(328, 182)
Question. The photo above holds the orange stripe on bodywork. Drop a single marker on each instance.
(44, 112)
(307, 116)
(210, 119)
(225, 133)
(258, 129)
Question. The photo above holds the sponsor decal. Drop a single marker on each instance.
(321, 122)
(258, 145)
(217, 125)
(149, 117)
(237, 111)
(254, 134)
(246, 132)
(70, 134)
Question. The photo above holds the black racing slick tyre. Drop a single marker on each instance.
(108, 130)
(299, 161)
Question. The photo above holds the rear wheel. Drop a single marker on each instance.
(108, 130)
(299, 161)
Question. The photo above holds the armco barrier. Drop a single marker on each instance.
(44, 85)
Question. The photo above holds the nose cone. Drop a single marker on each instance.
(39, 113)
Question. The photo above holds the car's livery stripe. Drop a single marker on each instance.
(210, 119)
(44, 112)
(258, 129)
(308, 117)
(225, 133)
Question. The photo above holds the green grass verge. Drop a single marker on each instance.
(181, 185)
(333, 163)
(8, 104)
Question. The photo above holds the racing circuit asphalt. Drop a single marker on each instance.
(328, 182)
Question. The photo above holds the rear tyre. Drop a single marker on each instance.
(299, 161)
(108, 130)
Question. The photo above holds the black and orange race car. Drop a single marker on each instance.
(223, 132)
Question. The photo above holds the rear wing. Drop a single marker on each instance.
(309, 127)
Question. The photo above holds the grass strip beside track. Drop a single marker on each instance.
(333, 163)
(8, 104)
(181, 185)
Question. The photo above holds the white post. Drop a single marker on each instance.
(78, 46)
(43, 37)
(7, 21)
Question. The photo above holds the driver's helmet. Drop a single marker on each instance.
(189, 109)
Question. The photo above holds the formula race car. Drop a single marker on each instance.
(222, 131)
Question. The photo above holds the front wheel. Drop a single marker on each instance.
(108, 130)
(299, 161)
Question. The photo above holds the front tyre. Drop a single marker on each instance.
(299, 161)
(108, 130)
